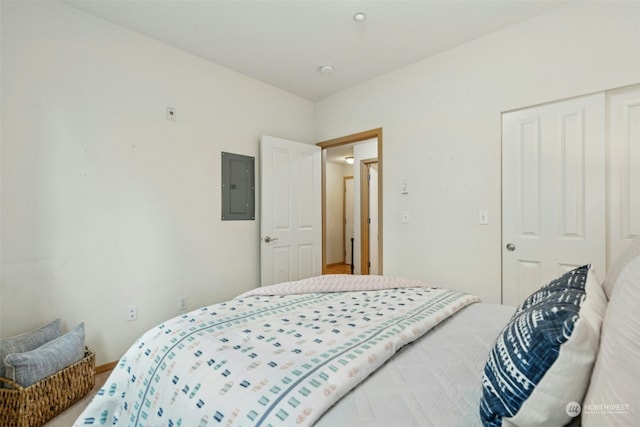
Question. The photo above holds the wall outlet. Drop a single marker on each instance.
(184, 303)
(132, 313)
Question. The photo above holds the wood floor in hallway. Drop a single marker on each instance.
(339, 268)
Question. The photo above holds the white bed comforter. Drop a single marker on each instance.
(279, 355)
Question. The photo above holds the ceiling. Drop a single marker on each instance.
(337, 154)
(283, 43)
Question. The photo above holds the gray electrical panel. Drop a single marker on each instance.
(238, 187)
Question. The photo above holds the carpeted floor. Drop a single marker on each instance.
(66, 418)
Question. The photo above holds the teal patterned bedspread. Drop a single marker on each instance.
(280, 356)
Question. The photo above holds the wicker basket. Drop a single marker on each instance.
(38, 403)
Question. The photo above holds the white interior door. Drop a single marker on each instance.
(348, 219)
(624, 170)
(291, 215)
(373, 218)
(553, 201)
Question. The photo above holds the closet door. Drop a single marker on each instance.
(553, 192)
(624, 169)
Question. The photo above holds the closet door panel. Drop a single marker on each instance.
(624, 169)
(553, 192)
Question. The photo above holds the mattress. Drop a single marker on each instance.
(435, 381)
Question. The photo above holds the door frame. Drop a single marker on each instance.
(365, 264)
(347, 140)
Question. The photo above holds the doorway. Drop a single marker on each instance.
(364, 244)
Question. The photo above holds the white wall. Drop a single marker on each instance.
(104, 202)
(441, 122)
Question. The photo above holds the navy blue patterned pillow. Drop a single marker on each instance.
(574, 279)
(542, 360)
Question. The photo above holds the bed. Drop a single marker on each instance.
(344, 350)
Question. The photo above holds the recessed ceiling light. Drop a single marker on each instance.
(326, 69)
(359, 17)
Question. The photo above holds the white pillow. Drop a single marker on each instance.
(614, 271)
(613, 398)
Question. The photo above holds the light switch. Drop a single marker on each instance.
(404, 187)
(405, 216)
(483, 217)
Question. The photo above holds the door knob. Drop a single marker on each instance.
(268, 239)
(511, 247)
